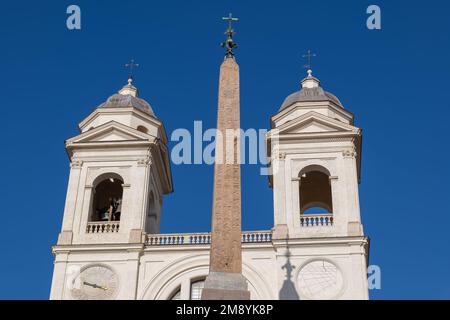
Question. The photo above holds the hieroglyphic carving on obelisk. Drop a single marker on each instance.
(225, 280)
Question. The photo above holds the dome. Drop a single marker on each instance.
(119, 100)
(128, 96)
(310, 94)
(311, 91)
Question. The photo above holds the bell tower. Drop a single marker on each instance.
(316, 154)
(119, 172)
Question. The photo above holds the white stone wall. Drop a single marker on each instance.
(156, 272)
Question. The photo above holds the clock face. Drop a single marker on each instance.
(320, 280)
(95, 282)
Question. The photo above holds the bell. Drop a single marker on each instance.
(105, 216)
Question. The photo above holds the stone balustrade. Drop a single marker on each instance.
(316, 220)
(202, 238)
(103, 227)
(257, 236)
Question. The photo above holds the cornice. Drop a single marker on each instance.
(82, 248)
(321, 136)
(119, 111)
(351, 240)
(306, 105)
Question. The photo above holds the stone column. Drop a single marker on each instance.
(59, 276)
(65, 237)
(225, 280)
(354, 220)
(280, 230)
(132, 274)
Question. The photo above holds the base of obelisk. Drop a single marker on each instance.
(225, 286)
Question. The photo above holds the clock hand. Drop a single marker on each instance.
(93, 285)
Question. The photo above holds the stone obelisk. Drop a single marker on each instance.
(225, 280)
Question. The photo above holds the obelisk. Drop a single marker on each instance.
(225, 280)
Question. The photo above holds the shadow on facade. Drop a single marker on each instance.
(288, 291)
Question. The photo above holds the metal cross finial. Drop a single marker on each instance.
(229, 44)
(309, 56)
(131, 66)
(230, 20)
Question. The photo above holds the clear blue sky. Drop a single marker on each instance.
(394, 80)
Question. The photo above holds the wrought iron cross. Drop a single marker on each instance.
(230, 20)
(131, 66)
(229, 44)
(309, 56)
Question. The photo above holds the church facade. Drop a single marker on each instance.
(110, 246)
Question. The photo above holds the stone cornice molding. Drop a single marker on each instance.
(317, 137)
(312, 105)
(293, 240)
(120, 111)
(96, 248)
(85, 138)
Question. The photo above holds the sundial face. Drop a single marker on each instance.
(95, 282)
(320, 280)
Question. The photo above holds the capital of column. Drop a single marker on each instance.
(349, 153)
(76, 164)
(143, 162)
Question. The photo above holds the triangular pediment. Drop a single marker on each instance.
(314, 122)
(109, 132)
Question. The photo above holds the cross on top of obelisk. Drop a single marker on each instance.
(131, 66)
(309, 57)
(230, 20)
(229, 44)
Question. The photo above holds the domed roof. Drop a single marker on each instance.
(128, 97)
(119, 100)
(311, 91)
(310, 94)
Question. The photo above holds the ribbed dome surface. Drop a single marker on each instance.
(310, 95)
(121, 101)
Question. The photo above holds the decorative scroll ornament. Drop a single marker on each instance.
(144, 162)
(349, 153)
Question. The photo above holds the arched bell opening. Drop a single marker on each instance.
(315, 191)
(107, 202)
